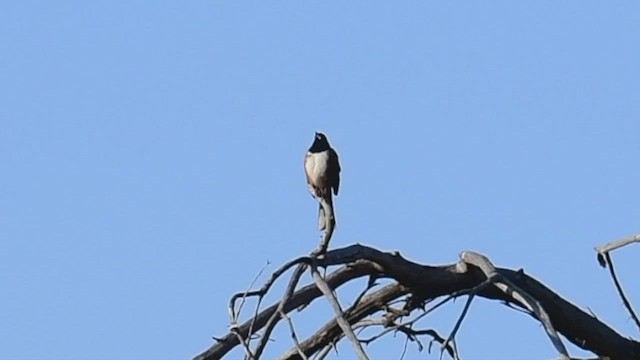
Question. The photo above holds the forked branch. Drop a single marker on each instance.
(416, 284)
(604, 258)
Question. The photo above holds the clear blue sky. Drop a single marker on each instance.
(151, 160)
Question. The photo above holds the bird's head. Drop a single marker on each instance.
(320, 143)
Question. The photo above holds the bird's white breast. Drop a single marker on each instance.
(316, 165)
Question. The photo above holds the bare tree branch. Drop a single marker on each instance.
(602, 249)
(245, 345)
(453, 333)
(418, 284)
(275, 318)
(303, 296)
(344, 325)
(604, 259)
(625, 301)
(293, 335)
(517, 294)
(260, 293)
(331, 331)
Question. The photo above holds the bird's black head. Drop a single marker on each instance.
(320, 143)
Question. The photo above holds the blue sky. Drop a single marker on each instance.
(151, 160)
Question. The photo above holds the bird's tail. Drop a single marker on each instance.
(322, 223)
(322, 217)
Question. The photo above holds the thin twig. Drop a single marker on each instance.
(454, 344)
(451, 338)
(370, 285)
(344, 325)
(453, 333)
(324, 352)
(404, 348)
(406, 329)
(247, 352)
(255, 316)
(244, 297)
(293, 335)
(293, 282)
(233, 314)
(435, 337)
(626, 302)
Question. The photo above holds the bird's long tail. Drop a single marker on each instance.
(322, 217)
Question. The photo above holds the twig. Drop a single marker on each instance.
(325, 351)
(453, 333)
(456, 294)
(451, 350)
(344, 325)
(604, 258)
(602, 249)
(454, 345)
(233, 314)
(385, 321)
(404, 348)
(406, 328)
(247, 352)
(411, 335)
(626, 302)
(370, 284)
(303, 296)
(471, 292)
(265, 288)
(293, 335)
(244, 297)
(274, 318)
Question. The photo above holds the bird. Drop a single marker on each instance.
(322, 169)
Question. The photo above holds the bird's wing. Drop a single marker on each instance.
(334, 168)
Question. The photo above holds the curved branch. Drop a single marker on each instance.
(426, 283)
(625, 301)
(331, 332)
(512, 290)
(303, 296)
(604, 259)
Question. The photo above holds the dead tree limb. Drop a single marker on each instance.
(513, 291)
(344, 325)
(604, 258)
(625, 301)
(294, 337)
(417, 284)
(608, 247)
